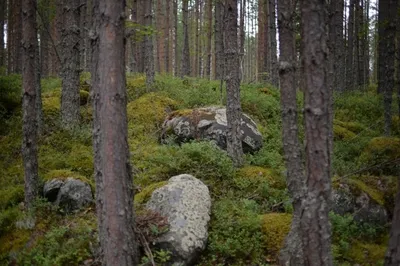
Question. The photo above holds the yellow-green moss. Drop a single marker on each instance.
(14, 240)
(387, 147)
(366, 253)
(51, 103)
(255, 175)
(352, 126)
(80, 159)
(135, 86)
(63, 174)
(373, 193)
(144, 195)
(275, 227)
(341, 133)
(84, 97)
(11, 195)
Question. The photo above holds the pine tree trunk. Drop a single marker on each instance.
(176, 50)
(315, 225)
(209, 7)
(70, 70)
(113, 175)
(350, 48)
(219, 41)
(185, 70)
(45, 40)
(3, 8)
(233, 108)
(29, 127)
(273, 46)
(292, 252)
(148, 39)
(263, 36)
(392, 257)
(167, 36)
(242, 36)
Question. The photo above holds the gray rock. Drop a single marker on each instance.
(51, 189)
(186, 203)
(74, 195)
(209, 123)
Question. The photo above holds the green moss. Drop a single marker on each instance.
(374, 194)
(13, 241)
(352, 126)
(52, 102)
(367, 253)
(275, 227)
(80, 159)
(341, 133)
(84, 97)
(63, 174)
(11, 196)
(144, 195)
(257, 174)
(135, 86)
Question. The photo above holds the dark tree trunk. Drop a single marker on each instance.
(315, 226)
(233, 108)
(70, 114)
(29, 127)
(263, 47)
(149, 58)
(176, 50)
(167, 35)
(55, 55)
(3, 8)
(336, 44)
(83, 24)
(113, 175)
(45, 39)
(273, 46)
(132, 40)
(209, 7)
(14, 36)
(292, 253)
(398, 57)
(219, 40)
(350, 48)
(392, 257)
(185, 71)
(386, 55)
(242, 35)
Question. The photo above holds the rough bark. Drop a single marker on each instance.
(292, 253)
(233, 108)
(219, 41)
(29, 126)
(392, 256)
(70, 70)
(55, 54)
(209, 7)
(185, 70)
(263, 47)
(398, 56)
(167, 36)
(14, 36)
(336, 44)
(148, 40)
(315, 226)
(386, 54)
(175, 36)
(114, 192)
(45, 38)
(3, 8)
(242, 35)
(350, 48)
(273, 46)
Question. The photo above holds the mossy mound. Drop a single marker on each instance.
(341, 133)
(382, 152)
(275, 227)
(367, 253)
(257, 174)
(51, 102)
(11, 196)
(135, 86)
(354, 127)
(63, 174)
(144, 195)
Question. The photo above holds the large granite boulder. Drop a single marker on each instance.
(186, 203)
(70, 194)
(208, 123)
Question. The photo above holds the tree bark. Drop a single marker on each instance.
(350, 48)
(185, 71)
(29, 126)
(209, 6)
(3, 8)
(70, 70)
(176, 50)
(148, 39)
(233, 108)
(55, 55)
(336, 44)
(263, 47)
(292, 253)
(273, 46)
(315, 226)
(113, 175)
(392, 256)
(219, 40)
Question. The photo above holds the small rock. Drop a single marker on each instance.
(51, 189)
(74, 195)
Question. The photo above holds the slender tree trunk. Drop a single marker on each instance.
(70, 103)
(113, 175)
(209, 7)
(392, 257)
(263, 36)
(45, 40)
(56, 55)
(398, 57)
(273, 46)
(10, 39)
(219, 41)
(233, 108)
(350, 48)
(185, 71)
(149, 57)
(3, 8)
(176, 50)
(315, 225)
(29, 127)
(167, 36)
(87, 40)
(242, 36)
(292, 253)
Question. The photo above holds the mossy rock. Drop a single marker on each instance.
(275, 227)
(354, 127)
(64, 174)
(382, 151)
(341, 133)
(144, 195)
(83, 97)
(249, 177)
(367, 253)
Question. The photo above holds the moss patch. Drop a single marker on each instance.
(341, 133)
(354, 127)
(83, 97)
(144, 195)
(374, 194)
(367, 253)
(257, 174)
(275, 227)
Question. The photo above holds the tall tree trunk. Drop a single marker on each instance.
(176, 50)
(45, 39)
(315, 225)
(140, 46)
(29, 127)
(148, 39)
(233, 108)
(132, 40)
(185, 70)
(263, 35)
(14, 36)
(398, 57)
(209, 7)
(219, 41)
(167, 36)
(70, 104)
(386, 54)
(242, 36)
(113, 175)
(3, 8)
(160, 21)
(82, 29)
(350, 48)
(197, 39)
(273, 46)
(292, 253)
(392, 257)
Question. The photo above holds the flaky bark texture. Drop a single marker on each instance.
(209, 7)
(233, 108)
(219, 40)
(263, 59)
(114, 193)
(29, 126)
(185, 70)
(336, 44)
(70, 35)
(386, 55)
(292, 253)
(392, 257)
(315, 226)
(148, 39)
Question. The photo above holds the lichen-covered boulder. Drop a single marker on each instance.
(70, 194)
(208, 123)
(186, 203)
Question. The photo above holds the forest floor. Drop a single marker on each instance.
(251, 206)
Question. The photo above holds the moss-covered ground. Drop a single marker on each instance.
(251, 210)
